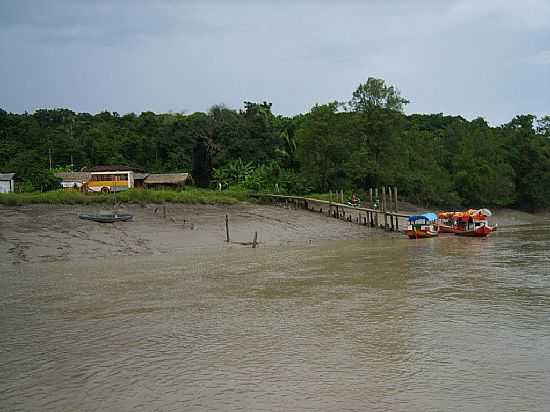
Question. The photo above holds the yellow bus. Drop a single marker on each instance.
(110, 181)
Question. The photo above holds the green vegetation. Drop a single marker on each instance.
(204, 196)
(367, 142)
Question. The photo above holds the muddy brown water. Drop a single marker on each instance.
(374, 324)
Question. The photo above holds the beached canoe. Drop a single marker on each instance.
(106, 217)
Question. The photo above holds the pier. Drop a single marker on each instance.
(385, 217)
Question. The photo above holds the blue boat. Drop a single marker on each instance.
(422, 226)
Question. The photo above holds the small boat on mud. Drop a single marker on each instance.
(106, 217)
(422, 226)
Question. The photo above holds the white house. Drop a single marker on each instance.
(7, 184)
(73, 180)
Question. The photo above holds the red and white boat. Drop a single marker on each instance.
(445, 221)
(471, 223)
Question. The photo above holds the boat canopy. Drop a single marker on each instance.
(446, 215)
(475, 214)
(484, 212)
(426, 216)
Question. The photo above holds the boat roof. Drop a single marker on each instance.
(425, 216)
(478, 214)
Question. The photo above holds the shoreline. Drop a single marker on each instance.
(49, 233)
(38, 233)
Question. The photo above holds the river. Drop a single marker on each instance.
(380, 324)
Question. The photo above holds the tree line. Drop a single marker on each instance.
(366, 142)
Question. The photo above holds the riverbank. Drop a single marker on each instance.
(47, 233)
(38, 233)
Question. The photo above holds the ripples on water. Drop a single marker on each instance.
(438, 324)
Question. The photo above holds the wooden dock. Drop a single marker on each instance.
(385, 219)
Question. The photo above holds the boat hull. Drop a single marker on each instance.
(420, 233)
(106, 218)
(445, 229)
(482, 231)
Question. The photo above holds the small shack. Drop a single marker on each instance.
(73, 180)
(168, 181)
(139, 179)
(7, 183)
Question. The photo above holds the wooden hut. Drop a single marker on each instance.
(173, 181)
(139, 179)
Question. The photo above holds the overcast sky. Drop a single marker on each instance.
(486, 58)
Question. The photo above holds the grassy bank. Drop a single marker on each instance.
(192, 195)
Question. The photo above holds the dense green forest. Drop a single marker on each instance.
(366, 142)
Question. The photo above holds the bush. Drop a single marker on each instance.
(194, 195)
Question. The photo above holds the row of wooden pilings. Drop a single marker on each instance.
(387, 201)
(382, 218)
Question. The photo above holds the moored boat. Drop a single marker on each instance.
(445, 221)
(106, 217)
(473, 223)
(422, 226)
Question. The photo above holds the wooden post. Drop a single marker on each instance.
(376, 196)
(255, 240)
(395, 198)
(385, 220)
(370, 196)
(392, 224)
(227, 228)
(384, 198)
(390, 200)
(341, 196)
(330, 196)
(376, 218)
(396, 224)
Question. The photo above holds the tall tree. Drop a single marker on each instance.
(321, 147)
(375, 93)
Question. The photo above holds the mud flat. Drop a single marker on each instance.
(47, 233)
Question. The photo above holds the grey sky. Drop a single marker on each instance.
(486, 58)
